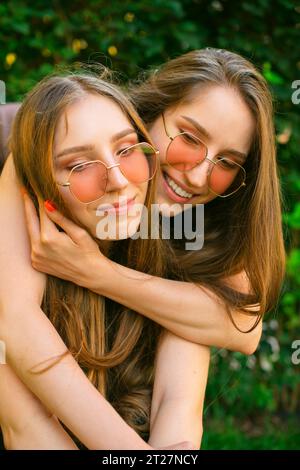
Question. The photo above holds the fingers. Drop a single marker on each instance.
(44, 228)
(39, 228)
(32, 220)
(77, 234)
(48, 227)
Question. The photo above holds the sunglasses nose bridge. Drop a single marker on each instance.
(115, 179)
(205, 165)
(198, 176)
(211, 163)
(112, 166)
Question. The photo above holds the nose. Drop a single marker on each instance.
(197, 177)
(116, 180)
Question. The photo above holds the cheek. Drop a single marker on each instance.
(78, 209)
(161, 142)
(162, 147)
(88, 189)
(66, 195)
(88, 218)
(162, 158)
(136, 170)
(221, 180)
(69, 199)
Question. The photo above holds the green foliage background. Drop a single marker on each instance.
(252, 402)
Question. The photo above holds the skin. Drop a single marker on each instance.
(186, 310)
(64, 390)
(229, 124)
(106, 146)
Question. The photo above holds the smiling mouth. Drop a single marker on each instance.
(175, 189)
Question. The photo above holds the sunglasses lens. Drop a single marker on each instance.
(226, 177)
(138, 163)
(88, 181)
(185, 152)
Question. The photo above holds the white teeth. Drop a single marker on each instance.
(179, 191)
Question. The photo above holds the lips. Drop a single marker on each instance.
(123, 203)
(118, 207)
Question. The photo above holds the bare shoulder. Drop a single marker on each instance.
(239, 282)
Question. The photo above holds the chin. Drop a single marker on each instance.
(167, 208)
(117, 230)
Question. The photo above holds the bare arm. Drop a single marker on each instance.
(25, 422)
(183, 308)
(179, 390)
(30, 338)
(64, 389)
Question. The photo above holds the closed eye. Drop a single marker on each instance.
(189, 138)
(126, 151)
(227, 164)
(77, 169)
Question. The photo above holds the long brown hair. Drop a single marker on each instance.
(243, 231)
(113, 345)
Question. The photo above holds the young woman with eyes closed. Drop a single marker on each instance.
(209, 112)
(85, 148)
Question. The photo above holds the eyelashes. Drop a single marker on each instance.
(90, 158)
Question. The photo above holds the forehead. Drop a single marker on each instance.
(89, 118)
(223, 113)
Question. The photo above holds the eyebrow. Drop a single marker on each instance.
(242, 156)
(198, 127)
(87, 148)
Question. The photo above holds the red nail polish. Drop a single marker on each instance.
(49, 205)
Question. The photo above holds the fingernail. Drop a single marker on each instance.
(50, 206)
